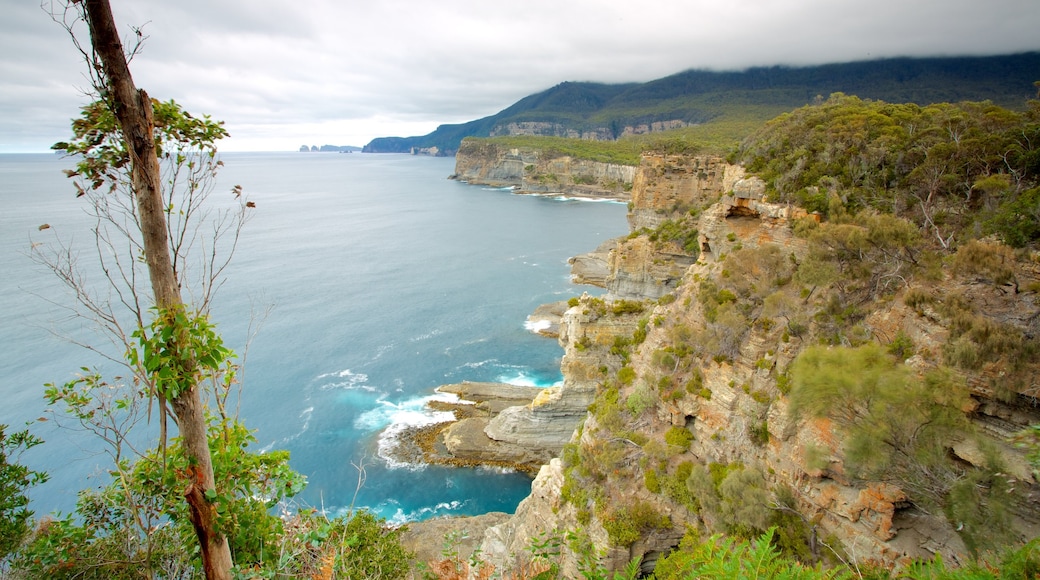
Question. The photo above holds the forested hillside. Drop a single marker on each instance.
(607, 112)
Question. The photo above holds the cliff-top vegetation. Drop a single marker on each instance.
(959, 171)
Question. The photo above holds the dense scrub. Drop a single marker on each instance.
(957, 170)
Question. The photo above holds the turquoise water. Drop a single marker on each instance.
(385, 280)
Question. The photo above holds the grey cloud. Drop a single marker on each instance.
(346, 71)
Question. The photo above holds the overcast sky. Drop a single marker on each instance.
(282, 73)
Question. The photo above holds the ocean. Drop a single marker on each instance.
(383, 280)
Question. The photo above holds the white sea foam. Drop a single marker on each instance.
(521, 378)
(383, 350)
(396, 418)
(428, 335)
(588, 199)
(477, 365)
(537, 325)
(496, 469)
(400, 517)
(349, 380)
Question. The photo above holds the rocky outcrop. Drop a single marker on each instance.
(461, 442)
(643, 269)
(534, 171)
(668, 185)
(550, 129)
(593, 268)
(545, 320)
(734, 405)
(522, 425)
(426, 540)
(548, 422)
(518, 426)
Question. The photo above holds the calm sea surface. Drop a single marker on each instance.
(385, 280)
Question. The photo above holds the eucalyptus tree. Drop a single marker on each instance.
(146, 168)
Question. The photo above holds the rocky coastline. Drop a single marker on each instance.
(535, 172)
(463, 442)
(733, 408)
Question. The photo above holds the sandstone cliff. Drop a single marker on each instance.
(666, 188)
(537, 172)
(551, 129)
(711, 358)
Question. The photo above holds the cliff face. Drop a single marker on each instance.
(533, 171)
(550, 129)
(664, 188)
(712, 365)
(666, 185)
(549, 421)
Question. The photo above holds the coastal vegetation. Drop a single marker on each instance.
(959, 171)
(621, 153)
(927, 208)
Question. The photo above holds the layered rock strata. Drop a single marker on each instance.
(533, 171)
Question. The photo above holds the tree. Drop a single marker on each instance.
(118, 136)
(15, 478)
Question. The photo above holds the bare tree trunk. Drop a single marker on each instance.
(133, 110)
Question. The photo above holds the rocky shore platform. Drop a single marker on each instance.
(545, 320)
(463, 442)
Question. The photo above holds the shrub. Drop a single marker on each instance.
(675, 488)
(902, 346)
(1017, 221)
(759, 433)
(360, 545)
(626, 375)
(642, 398)
(994, 263)
(621, 348)
(639, 335)
(744, 502)
(721, 557)
(663, 360)
(916, 297)
(651, 481)
(696, 383)
(622, 307)
(627, 523)
(679, 437)
(15, 480)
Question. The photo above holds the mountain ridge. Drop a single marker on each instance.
(590, 110)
